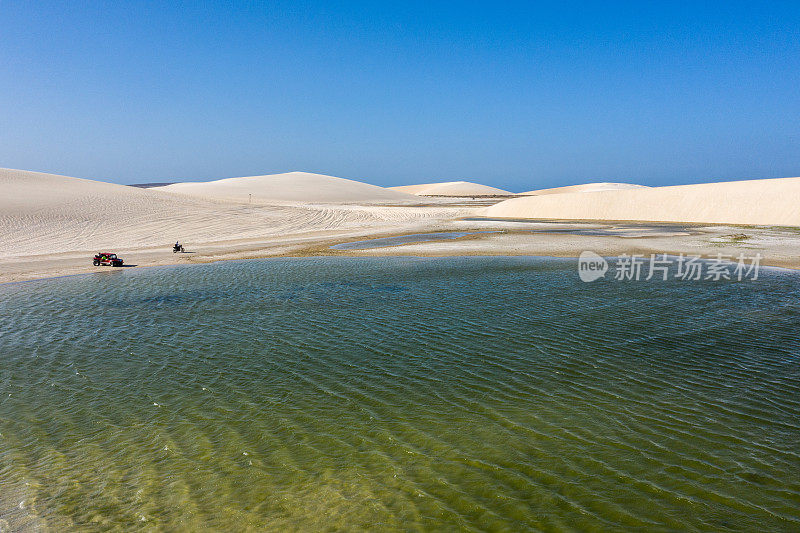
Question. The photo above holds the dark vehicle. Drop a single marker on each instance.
(177, 248)
(107, 259)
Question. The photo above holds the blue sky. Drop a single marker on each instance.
(516, 95)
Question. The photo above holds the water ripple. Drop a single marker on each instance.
(398, 394)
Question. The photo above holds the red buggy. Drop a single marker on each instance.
(106, 259)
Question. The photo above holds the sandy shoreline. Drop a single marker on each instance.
(779, 247)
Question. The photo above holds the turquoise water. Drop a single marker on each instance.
(398, 394)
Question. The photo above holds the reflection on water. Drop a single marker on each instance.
(396, 394)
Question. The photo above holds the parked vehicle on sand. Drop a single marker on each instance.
(107, 259)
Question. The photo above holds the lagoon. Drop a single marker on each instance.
(399, 394)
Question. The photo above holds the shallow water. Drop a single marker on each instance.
(399, 240)
(399, 394)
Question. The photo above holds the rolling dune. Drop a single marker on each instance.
(50, 225)
(451, 188)
(752, 202)
(289, 187)
(43, 214)
(585, 187)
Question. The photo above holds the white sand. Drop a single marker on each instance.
(45, 214)
(585, 187)
(52, 225)
(757, 202)
(290, 187)
(451, 188)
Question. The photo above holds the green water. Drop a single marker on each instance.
(495, 394)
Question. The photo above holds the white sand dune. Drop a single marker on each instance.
(289, 187)
(50, 225)
(44, 213)
(585, 187)
(451, 188)
(756, 202)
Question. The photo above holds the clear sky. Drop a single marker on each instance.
(515, 95)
